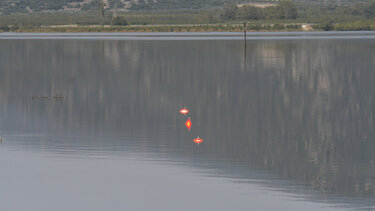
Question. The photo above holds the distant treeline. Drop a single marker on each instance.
(349, 26)
(160, 28)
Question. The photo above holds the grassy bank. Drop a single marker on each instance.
(159, 28)
(348, 26)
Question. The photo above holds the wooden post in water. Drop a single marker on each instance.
(244, 59)
(244, 32)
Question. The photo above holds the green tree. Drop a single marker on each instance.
(273, 13)
(229, 12)
(289, 9)
(119, 20)
(369, 11)
(4, 28)
(325, 25)
(205, 17)
(284, 10)
(249, 12)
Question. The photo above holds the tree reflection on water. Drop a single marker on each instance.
(302, 110)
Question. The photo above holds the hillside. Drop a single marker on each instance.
(32, 6)
(37, 6)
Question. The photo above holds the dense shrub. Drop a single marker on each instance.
(355, 26)
(206, 17)
(249, 13)
(4, 28)
(229, 12)
(119, 20)
(325, 25)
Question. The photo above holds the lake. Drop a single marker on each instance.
(92, 122)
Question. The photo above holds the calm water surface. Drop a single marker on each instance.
(288, 126)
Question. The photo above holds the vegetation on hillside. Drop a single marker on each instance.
(281, 15)
(33, 6)
(283, 10)
(25, 6)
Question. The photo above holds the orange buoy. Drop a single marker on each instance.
(184, 111)
(198, 140)
(188, 124)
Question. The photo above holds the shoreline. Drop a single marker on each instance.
(197, 36)
(159, 28)
(174, 28)
(216, 27)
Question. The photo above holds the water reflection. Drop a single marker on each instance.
(301, 110)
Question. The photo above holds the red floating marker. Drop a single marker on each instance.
(188, 124)
(198, 140)
(184, 111)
